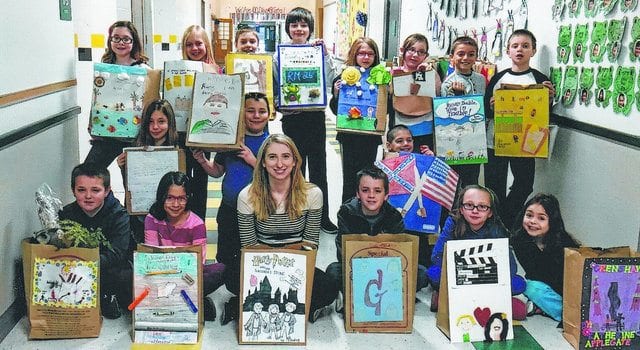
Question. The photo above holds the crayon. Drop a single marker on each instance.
(138, 299)
(192, 306)
(162, 272)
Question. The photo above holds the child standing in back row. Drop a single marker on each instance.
(520, 48)
(464, 81)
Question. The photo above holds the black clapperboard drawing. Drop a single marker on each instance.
(476, 265)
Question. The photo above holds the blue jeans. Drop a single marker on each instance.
(545, 298)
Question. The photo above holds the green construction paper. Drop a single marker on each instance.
(604, 80)
(569, 85)
(564, 44)
(615, 31)
(521, 340)
(598, 41)
(587, 79)
(556, 80)
(623, 90)
(580, 37)
(634, 43)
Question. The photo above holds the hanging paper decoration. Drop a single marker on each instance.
(586, 82)
(574, 8)
(634, 45)
(604, 79)
(556, 80)
(361, 18)
(580, 42)
(557, 10)
(598, 39)
(590, 8)
(496, 45)
(628, 5)
(615, 32)
(638, 94)
(564, 44)
(569, 86)
(606, 6)
(623, 90)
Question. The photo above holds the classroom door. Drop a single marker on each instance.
(392, 28)
(222, 39)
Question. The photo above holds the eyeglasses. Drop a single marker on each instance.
(366, 54)
(124, 40)
(412, 51)
(172, 199)
(471, 206)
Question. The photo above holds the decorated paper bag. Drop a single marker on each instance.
(379, 282)
(258, 73)
(301, 71)
(167, 290)
(601, 304)
(413, 92)
(61, 291)
(475, 291)
(119, 96)
(275, 294)
(362, 103)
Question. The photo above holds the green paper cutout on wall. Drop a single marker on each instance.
(564, 44)
(586, 83)
(556, 80)
(590, 8)
(570, 85)
(623, 89)
(598, 40)
(574, 8)
(638, 94)
(634, 45)
(628, 5)
(557, 10)
(580, 42)
(606, 6)
(604, 79)
(615, 32)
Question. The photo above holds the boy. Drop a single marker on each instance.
(95, 207)
(464, 81)
(368, 212)
(521, 47)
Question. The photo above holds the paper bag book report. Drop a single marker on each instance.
(379, 282)
(413, 92)
(275, 295)
(258, 73)
(302, 83)
(521, 115)
(475, 291)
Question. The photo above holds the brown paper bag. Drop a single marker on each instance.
(273, 278)
(574, 259)
(152, 86)
(442, 317)
(356, 248)
(61, 291)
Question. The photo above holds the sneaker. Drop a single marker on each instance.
(209, 309)
(434, 301)
(230, 311)
(329, 227)
(109, 307)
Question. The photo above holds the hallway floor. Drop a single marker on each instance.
(328, 332)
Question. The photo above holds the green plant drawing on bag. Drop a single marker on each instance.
(586, 83)
(564, 44)
(615, 33)
(598, 40)
(634, 44)
(76, 235)
(556, 79)
(623, 89)
(569, 86)
(604, 80)
(580, 42)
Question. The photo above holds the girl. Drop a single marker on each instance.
(280, 208)
(539, 244)
(240, 164)
(414, 52)
(247, 40)
(170, 222)
(474, 216)
(358, 150)
(197, 47)
(123, 48)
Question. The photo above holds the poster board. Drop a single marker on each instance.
(521, 115)
(62, 291)
(475, 291)
(362, 107)
(145, 167)
(167, 286)
(258, 70)
(118, 98)
(379, 282)
(177, 87)
(302, 82)
(275, 295)
(413, 92)
(418, 186)
(460, 133)
(217, 117)
(610, 307)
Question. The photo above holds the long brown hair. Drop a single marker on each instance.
(353, 51)
(144, 137)
(136, 50)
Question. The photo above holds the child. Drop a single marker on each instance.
(124, 47)
(368, 212)
(414, 52)
(475, 217)
(358, 150)
(239, 167)
(196, 45)
(95, 207)
(247, 40)
(539, 244)
(307, 128)
(464, 81)
(170, 222)
(521, 47)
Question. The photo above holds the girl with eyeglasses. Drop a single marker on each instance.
(475, 216)
(170, 222)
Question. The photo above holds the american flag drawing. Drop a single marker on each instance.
(440, 184)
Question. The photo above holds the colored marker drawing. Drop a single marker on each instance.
(377, 289)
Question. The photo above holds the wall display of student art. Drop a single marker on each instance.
(144, 168)
(167, 302)
(258, 73)
(460, 135)
(379, 282)
(475, 291)
(119, 95)
(418, 186)
(362, 103)
(302, 83)
(522, 121)
(61, 291)
(179, 77)
(413, 92)
(275, 295)
(217, 117)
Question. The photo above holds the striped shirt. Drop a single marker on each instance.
(278, 228)
(191, 232)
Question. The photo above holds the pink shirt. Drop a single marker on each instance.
(191, 232)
